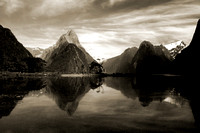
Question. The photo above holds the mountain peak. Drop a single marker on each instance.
(173, 45)
(146, 45)
(71, 32)
(71, 37)
(195, 38)
(175, 48)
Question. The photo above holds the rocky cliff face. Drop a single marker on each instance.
(121, 63)
(186, 62)
(68, 58)
(150, 59)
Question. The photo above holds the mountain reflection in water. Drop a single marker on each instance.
(67, 92)
(95, 104)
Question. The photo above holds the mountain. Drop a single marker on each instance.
(175, 48)
(121, 63)
(69, 37)
(12, 52)
(14, 56)
(68, 58)
(150, 59)
(186, 63)
(36, 52)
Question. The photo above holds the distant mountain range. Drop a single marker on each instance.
(36, 52)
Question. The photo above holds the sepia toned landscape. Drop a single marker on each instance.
(99, 66)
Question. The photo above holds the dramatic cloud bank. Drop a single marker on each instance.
(105, 27)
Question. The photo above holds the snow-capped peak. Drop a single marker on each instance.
(175, 48)
(71, 37)
(173, 45)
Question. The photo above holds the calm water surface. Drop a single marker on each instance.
(83, 104)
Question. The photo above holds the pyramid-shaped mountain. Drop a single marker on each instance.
(121, 63)
(68, 56)
(65, 39)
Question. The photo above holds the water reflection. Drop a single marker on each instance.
(146, 90)
(14, 90)
(67, 92)
(175, 90)
(75, 95)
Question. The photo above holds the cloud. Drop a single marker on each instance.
(11, 6)
(57, 7)
(105, 27)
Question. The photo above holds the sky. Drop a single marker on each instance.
(105, 27)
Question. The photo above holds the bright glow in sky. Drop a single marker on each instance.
(105, 27)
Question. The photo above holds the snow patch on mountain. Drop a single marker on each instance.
(175, 47)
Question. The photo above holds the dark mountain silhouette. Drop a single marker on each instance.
(150, 59)
(12, 52)
(186, 63)
(121, 63)
(14, 56)
(35, 64)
